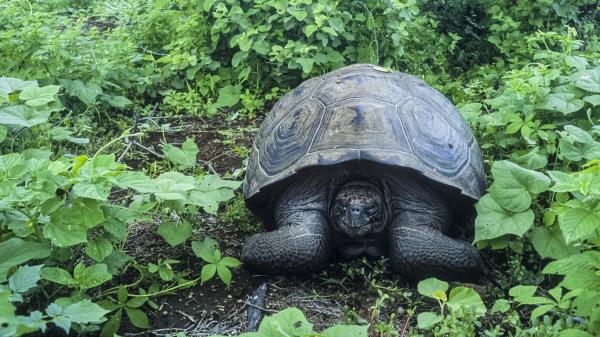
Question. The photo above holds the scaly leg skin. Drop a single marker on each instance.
(301, 244)
(419, 250)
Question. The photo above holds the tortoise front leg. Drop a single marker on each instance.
(301, 244)
(420, 250)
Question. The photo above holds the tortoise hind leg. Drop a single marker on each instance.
(300, 245)
(420, 250)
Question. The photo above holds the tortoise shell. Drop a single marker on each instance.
(365, 113)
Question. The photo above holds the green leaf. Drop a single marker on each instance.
(114, 323)
(238, 57)
(346, 331)
(99, 190)
(206, 249)
(86, 93)
(587, 80)
(230, 262)
(551, 243)
(513, 185)
(578, 223)
(92, 276)
(85, 312)
(522, 293)
(576, 62)
(466, 298)
(25, 278)
(8, 85)
(501, 305)
(16, 251)
(3, 133)
(175, 233)
(574, 333)
(65, 228)
(23, 116)
(98, 249)
(532, 160)
(594, 100)
(426, 320)
(564, 103)
(541, 310)
(288, 322)
(228, 96)
(184, 157)
(224, 274)
(118, 101)
(138, 318)
(429, 286)
(34, 96)
(208, 271)
(493, 221)
(306, 63)
(58, 275)
(310, 29)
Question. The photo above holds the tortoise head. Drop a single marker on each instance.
(357, 209)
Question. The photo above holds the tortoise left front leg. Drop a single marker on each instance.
(418, 249)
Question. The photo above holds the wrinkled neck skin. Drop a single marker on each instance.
(357, 210)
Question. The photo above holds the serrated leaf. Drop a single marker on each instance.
(138, 318)
(25, 278)
(578, 223)
(175, 233)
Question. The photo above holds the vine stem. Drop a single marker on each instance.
(166, 290)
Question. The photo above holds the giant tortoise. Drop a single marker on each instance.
(364, 162)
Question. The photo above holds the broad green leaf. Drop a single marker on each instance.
(288, 322)
(531, 160)
(118, 101)
(513, 185)
(9, 85)
(66, 228)
(493, 221)
(230, 262)
(58, 275)
(137, 181)
(563, 182)
(16, 251)
(98, 190)
(34, 96)
(22, 116)
(594, 100)
(25, 278)
(587, 80)
(346, 331)
(86, 93)
(500, 305)
(98, 249)
(551, 243)
(205, 249)
(521, 293)
(184, 157)
(428, 286)
(138, 318)
(564, 103)
(92, 276)
(466, 298)
(310, 29)
(114, 323)
(578, 223)
(576, 62)
(84, 312)
(427, 320)
(306, 63)
(3, 133)
(175, 233)
(541, 310)
(574, 333)
(228, 96)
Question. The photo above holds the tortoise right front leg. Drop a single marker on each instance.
(301, 244)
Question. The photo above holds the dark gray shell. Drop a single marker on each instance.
(363, 112)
